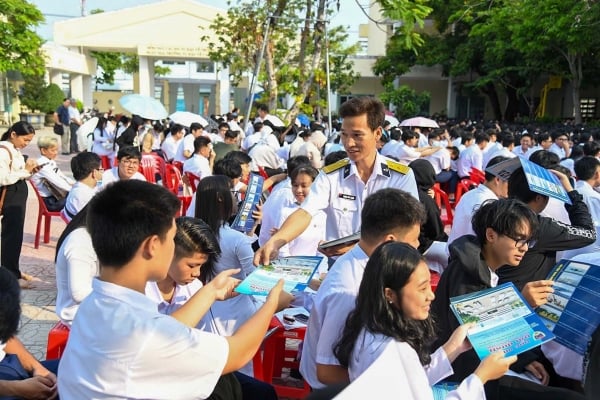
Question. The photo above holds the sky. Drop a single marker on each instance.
(350, 14)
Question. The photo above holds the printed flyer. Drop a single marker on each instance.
(503, 321)
(572, 312)
(540, 180)
(296, 272)
(243, 221)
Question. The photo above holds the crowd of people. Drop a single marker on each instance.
(149, 297)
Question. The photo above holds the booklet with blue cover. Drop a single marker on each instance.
(503, 321)
(244, 221)
(572, 312)
(540, 180)
(296, 271)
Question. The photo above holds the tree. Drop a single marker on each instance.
(20, 48)
(407, 101)
(34, 95)
(294, 51)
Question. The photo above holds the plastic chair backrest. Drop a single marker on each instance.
(193, 180)
(172, 178)
(443, 202)
(152, 165)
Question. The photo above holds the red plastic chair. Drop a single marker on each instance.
(463, 186)
(57, 341)
(192, 180)
(105, 162)
(43, 212)
(477, 175)
(443, 203)
(172, 178)
(179, 165)
(152, 165)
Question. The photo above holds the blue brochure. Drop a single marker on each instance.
(572, 312)
(503, 321)
(296, 272)
(243, 221)
(540, 180)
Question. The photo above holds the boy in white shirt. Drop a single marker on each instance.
(120, 346)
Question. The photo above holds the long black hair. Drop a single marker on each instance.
(21, 128)
(390, 266)
(214, 201)
(195, 236)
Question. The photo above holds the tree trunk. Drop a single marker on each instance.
(490, 91)
(512, 106)
(271, 86)
(576, 82)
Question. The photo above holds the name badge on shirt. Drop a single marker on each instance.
(346, 196)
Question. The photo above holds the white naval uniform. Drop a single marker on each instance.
(340, 193)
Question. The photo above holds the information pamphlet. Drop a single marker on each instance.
(572, 312)
(503, 321)
(243, 221)
(355, 237)
(540, 180)
(296, 272)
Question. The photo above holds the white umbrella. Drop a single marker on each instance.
(187, 118)
(85, 134)
(144, 106)
(393, 120)
(275, 120)
(420, 122)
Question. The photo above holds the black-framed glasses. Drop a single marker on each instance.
(522, 242)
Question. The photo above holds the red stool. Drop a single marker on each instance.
(434, 279)
(57, 340)
(276, 356)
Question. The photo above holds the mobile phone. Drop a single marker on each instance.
(301, 318)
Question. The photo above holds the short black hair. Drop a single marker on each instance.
(371, 106)
(518, 188)
(586, 167)
(195, 236)
(295, 162)
(591, 148)
(83, 164)
(200, 142)
(231, 134)
(388, 210)
(504, 216)
(228, 167)
(128, 152)
(239, 156)
(334, 157)
(10, 305)
(126, 213)
(545, 158)
(194, 126)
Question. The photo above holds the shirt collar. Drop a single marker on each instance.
(378, 169)
(120, 293)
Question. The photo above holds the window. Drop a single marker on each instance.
(588, 107)
(205, 66)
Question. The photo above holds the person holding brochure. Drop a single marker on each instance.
(388, 214)
(341, 188)
(196, 250)
(217, 206)
(132, 226)
(505, 230)
(392, 315)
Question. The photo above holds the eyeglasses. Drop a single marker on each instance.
(100, 169)
(130, 162)
(234, 192)
(522, 242)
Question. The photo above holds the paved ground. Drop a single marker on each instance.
(38, 303)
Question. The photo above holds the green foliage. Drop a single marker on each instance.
(54, 98)
(412, 13)
(109, 63)
(407, 101)
(20, 48)
(33, 92)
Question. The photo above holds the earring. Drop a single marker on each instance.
(390, 302)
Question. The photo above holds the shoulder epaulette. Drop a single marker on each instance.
(336, 165)
(398, 167)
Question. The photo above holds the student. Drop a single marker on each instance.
(49, 171)
(76, 266)
(128, 165)
(506, 229)
(392, 315)
(388, 214)
(341, 188)
(21, 375)
(201, 162)
(14, 171)
(196, 252)
(120, 346)
(87, 171)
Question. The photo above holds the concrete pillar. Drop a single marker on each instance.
(172, 94)
(191, 97)
(224, 89)
(146, 76)
(451, 99)
(165, 98)
(55, 76)
(77, 86)
(87, 98)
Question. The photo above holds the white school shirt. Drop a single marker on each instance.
(518, 150)
(187, 143)
(281, 196)
(79, 195)
(334, 300)
(466, 207)
(470, 157)
(440, 160)
(592, 200)
(340, 193)
(306, 244)
(398, 371)
(53, 174)
(181, 295)
(112, 175)
(406, 154)
(11, 172)
(103, 142)
(554, 148)
(76, 267)
(169, 147)
(121, 347)
(494, 152)
(197, 165)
